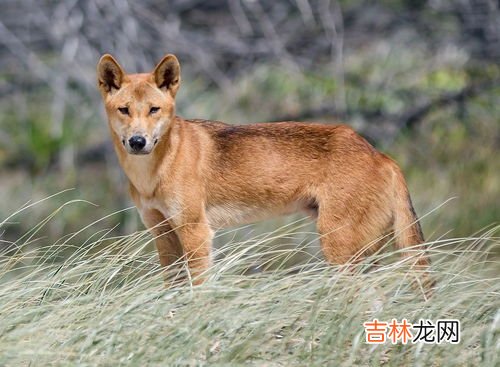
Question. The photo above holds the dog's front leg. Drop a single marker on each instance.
(196, 239)
(166, 241)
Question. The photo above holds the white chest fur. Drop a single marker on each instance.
(139, 170)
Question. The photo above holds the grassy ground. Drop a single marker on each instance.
(101, 301)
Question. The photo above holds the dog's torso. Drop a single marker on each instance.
(242, 174)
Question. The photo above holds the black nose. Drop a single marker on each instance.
(137, 142)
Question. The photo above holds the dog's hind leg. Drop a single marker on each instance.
(348, 231)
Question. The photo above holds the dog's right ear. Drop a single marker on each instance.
(109, 74)
(167, 74)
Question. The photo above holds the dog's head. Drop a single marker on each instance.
(140, 107)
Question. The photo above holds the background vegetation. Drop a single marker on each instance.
(419, 79)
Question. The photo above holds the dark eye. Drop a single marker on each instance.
(154, 110)
(123, 110)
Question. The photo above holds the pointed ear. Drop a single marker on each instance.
(167, 74)
(109, 74)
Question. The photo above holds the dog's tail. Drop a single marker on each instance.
(407, 230)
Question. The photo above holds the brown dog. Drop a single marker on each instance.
(191, 177)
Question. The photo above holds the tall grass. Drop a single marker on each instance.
(101, 301)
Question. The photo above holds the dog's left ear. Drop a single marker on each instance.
(109, 74)
(167, 74)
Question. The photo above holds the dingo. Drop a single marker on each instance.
(191, 177)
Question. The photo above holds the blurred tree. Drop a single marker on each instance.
(480, 23)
